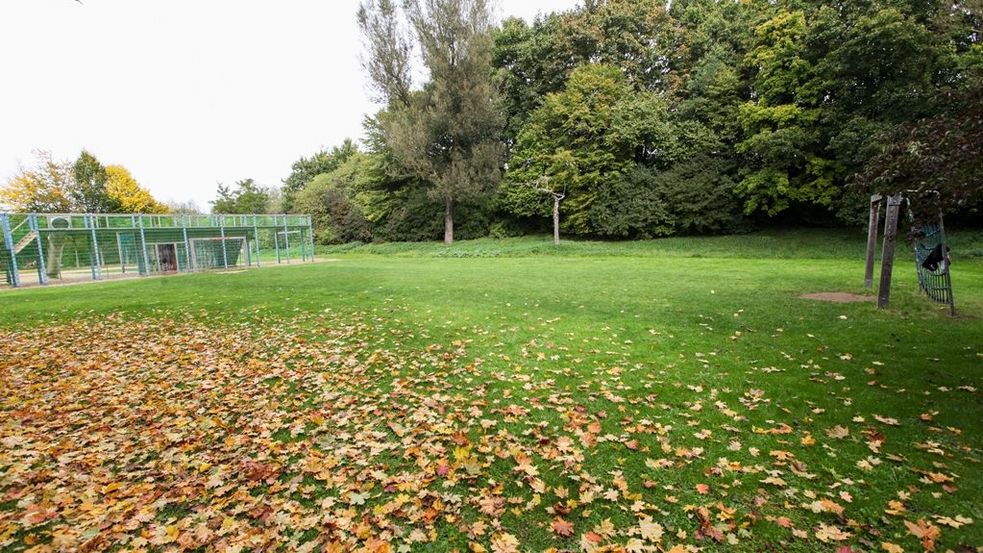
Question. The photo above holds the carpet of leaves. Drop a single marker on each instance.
(328, 433)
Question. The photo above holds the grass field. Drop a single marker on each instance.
(669, 395)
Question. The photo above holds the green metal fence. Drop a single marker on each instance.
(41, 248)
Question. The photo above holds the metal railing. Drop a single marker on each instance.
(82, 246)
(70, 221)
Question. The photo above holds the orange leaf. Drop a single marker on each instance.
(561, 527)
(925, 531)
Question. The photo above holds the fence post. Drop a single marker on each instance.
(303, 245)
(256, 236)
(119, 251)
(187, 244)
(225, 257)
(95, 242)
(133, 227)
(310, 235)
(276, 241)
(94, 268)
(42, 270)
(143, 248)
(286, 237)
(8, 242)
(887, 255)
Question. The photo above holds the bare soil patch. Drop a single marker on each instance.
(837, 297)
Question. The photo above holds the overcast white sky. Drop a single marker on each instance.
(185, 93)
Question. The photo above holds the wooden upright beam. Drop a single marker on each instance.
(887, 255)
(873, 223)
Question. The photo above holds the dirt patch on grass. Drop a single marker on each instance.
(836, 297)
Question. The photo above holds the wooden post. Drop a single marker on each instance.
(887, 254)
(873, 223)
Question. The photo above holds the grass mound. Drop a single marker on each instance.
(790, 244)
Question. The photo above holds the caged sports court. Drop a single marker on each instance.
(48, 248)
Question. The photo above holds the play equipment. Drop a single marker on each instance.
(83, 246)
(931, 252)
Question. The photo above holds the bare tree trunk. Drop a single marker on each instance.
(449, 221)
(556, 220)
(55, 248)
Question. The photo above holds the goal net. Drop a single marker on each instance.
(217, 253)
(289, 244)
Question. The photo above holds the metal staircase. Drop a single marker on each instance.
(24, 242)
(17, 239)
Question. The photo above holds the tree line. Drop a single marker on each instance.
(641, 118)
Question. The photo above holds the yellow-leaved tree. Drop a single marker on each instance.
(125, 190)
(41, 188)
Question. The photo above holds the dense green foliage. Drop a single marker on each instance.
(89, 194)
(332, 199)
(446, 133)
(305, 169)
(941, 157)
(245, 197)
(646, 120)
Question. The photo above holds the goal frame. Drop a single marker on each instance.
(242, 249)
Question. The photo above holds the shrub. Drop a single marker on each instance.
(699, 196)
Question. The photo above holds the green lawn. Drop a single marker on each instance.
(500, 395)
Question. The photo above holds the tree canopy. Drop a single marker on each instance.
(126, 192)
(244, 197)
(647, 118)
(83, 185)
(43, 188)
(446, 133)
(303, 171)
(89, 194)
